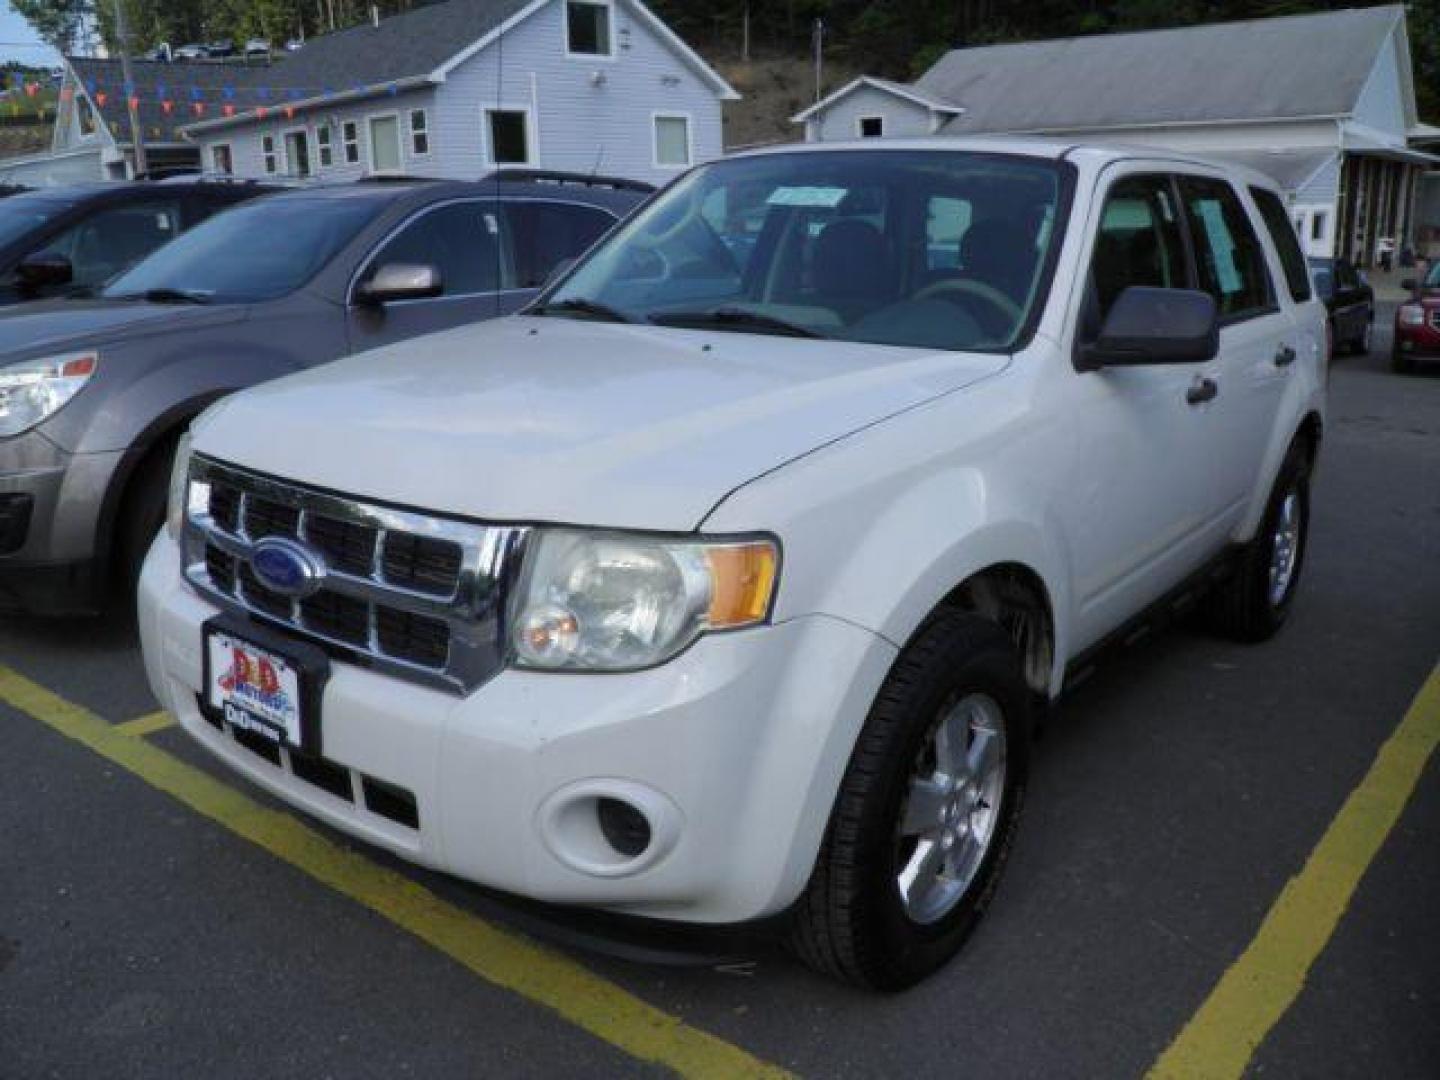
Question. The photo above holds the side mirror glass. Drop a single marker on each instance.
(1155, 326)
(400, 281)
(45, 269)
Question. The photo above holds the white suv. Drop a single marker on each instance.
(729, 580)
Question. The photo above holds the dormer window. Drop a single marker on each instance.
(587, 28)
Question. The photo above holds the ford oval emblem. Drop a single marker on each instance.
(287, 567)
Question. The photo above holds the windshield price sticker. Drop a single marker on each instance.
(827, 197)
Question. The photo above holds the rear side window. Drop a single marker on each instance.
(1228, 255)
(544, 234)
(1282, 235)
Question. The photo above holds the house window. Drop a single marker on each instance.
(1317, 225)
(419, 133)
(221, 160)
(587, 28)
(872, 127)
(324, 137)
(267, 151)
(509, 136)
(672, 141)
(350, 133)
(384, 144)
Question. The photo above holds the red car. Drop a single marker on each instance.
(1417, 322)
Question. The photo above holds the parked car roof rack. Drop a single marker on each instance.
(559, 176)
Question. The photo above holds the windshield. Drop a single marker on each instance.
(938, 249)
(19, 214)
(259, 251)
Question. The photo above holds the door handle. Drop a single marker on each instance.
(1202, 390)
(1284, 356)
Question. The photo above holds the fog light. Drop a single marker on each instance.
(624, 827)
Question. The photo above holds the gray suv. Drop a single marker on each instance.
(94, 393)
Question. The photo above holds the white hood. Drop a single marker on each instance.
(558, 420)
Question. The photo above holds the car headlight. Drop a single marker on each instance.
(37, 389)
(186, 495)
(604, 601)
(1412, 315)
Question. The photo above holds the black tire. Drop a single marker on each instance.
(1243, 607)
(1400, 362)
(142, 516)
(1360, 346)
(850, 922)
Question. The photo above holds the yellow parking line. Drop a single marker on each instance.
(146, 725)
(505, 959)
(1255, 992)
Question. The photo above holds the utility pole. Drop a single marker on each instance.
(819, 42)
(137, 135)
(745, 35)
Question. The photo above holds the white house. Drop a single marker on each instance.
(1323, 103)
(455, 89)
(450, 89)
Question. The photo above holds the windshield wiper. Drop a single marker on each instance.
(166, 296)
(733, 318)
(579, 305)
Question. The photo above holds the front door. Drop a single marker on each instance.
(466, 242)
(297, 153)
(1134, 489)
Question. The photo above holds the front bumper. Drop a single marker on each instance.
(48, 566)
(735, 749)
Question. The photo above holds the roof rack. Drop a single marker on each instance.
(398, 178)
(559, 176)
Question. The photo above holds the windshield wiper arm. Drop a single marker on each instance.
(579, 305)
(733, 318)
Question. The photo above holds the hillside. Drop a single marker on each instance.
(774, 89)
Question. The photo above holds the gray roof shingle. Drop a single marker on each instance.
(409, 45)
(1301, 65)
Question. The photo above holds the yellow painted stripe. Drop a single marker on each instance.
(1260, 986)
(505, 959)
(146, 725)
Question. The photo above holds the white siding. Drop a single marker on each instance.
(1381, 104)
(586, 113)
(1323, 187)
(50, 170)
(903, 119)
(245, 140)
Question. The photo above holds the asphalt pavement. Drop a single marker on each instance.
(149, 930)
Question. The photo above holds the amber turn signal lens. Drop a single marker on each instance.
(742, 578)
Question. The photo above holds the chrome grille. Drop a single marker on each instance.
(419, 596)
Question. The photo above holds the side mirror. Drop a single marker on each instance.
(45, 268)
(400, 281)
(1155, 326)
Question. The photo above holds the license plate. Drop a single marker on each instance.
(255, 689)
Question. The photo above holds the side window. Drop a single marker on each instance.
(114, 239)
(543, 234)
(1139, 243)
(1228, 256)
(1287, 243)
(461, 240)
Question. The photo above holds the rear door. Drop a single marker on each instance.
(466, 241)
(1258, 338)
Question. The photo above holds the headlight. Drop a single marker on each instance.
(185, 494)
(601, 601)
(1412, 315)
(32, 391)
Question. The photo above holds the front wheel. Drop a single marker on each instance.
(1254, 603)
(926, 812)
